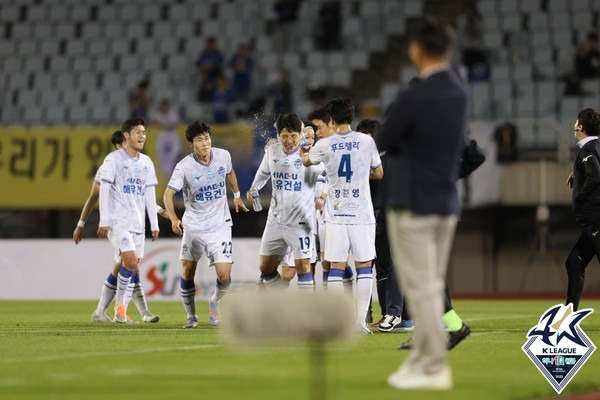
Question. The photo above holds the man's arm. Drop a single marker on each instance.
(592, 174)
(104, 209)
(233, 185)
(176, 224)
(150, 197)
(395, 124)
(262, 176)
(376, 173)
(85, 213)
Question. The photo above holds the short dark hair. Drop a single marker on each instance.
(196, 128)
(289, 121)
(368, 126)
(131, 123)
(116, 138)
(340, 110)
(436, 38)
(319, 113)
(308, 124)
(590, 121)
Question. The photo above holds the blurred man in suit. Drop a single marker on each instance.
(424, 136)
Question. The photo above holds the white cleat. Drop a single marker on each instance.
(363, 329)
(150, 318)
(101, 317)
(405, 379)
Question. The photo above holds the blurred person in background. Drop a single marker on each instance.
(285, 24)
(587, 58)
(168, 144)
(328, 29)
(139, 101)
(210, 65)
(242, 65)
(221, 99)
(281, 93)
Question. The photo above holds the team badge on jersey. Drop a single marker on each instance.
(210, 175)
(221, 171)
(298, 163)
(558, 346)
(286, 163)
(124, 241)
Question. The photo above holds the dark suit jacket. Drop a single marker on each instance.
(424, 135)
(586, 184)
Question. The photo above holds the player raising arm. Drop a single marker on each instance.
(206, 226)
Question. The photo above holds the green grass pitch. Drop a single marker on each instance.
(50, 350)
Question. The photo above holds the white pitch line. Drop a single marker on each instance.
(105, 354)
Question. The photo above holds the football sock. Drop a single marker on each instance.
(347, 279)
(364, 290)
(306, 282)
(122, 283)
(452, 320)
(272, 279)
(139, 298)
(129, 291)
(325, 277)
(335, 280)
(109, 289)
(220, 290)
(188, 291)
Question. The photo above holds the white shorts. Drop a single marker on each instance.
(321, 235)
(123, 241)
(287, 260)
(277, 238)
(343, 239)
(215, 245)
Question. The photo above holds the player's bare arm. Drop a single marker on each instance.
(176, 224)
(85, 213)
(237, 199)
(304, 151)
(376, 173)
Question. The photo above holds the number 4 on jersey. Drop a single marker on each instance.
(345, 168)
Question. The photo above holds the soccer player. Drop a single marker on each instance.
(585, 182)
(127, 182)
(206, 226)
(109, 288)
(292, 211)
(350, 160)
(319, 118)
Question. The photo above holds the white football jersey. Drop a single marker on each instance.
(98, 177)
(322, 186)
(348, 159)
(128, 178)
(204, 191)
(293, 186)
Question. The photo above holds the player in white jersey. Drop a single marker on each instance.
(292, 210)
(206, 226)
(320, 119)
(126, 193)
(109, 288)
(350, 159)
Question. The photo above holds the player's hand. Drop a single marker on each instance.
(77, 234)
(154, 235)
(570, 181)
(103, 231)
(320, 204)
(239, 203)
(249, 197)
(305, 149)
(177, 227)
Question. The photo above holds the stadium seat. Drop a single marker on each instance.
(359, 60)
(388, 94)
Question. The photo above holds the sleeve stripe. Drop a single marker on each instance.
(377, 166)
(107, 181)
(173, 188)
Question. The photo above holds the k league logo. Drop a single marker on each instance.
(558, 346)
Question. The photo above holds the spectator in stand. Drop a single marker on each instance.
(281, 91)
(221, 99)
(287, 13)
(242, 65)
(587, 59)
(139, 101)
(168, 144)
(328, 36)
(209, 63)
